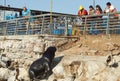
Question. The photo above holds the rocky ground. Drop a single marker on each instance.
(95, 58)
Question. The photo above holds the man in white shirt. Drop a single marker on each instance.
(113, 17)
(110, 8)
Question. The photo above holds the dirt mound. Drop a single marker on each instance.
(93, 45)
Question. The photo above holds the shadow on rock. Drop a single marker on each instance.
(56, 61)
(115, 65)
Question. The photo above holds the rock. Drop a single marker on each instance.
(27, 63)
(87, 69)
(84, 64)
(51, 78)
(93, 68)
(29, 47)
(43, 80)
(59, 71)
(61, 43)
(65, 79)
(11, 78)
(39, 48)
(23, 75)
(5, 61)
(4, 74)
(93, 52)
(111, 46)
(81, 70)
(118, 79)
(115, 52)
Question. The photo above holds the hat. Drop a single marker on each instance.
(81, 7)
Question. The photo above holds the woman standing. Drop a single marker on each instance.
(91, 10)
(98, 11)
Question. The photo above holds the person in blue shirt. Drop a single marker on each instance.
(26, 12)
(28, 20)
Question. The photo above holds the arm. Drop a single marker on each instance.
(79, 13)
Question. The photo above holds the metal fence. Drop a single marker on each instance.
(61, 25)
(101, 24)
(36, 25)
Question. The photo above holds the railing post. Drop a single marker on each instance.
(107, 29)
(5, 29)
(51, 28)
(66, 26)
(27, 26)
(16, 23)
(42, 29)
(85, 25)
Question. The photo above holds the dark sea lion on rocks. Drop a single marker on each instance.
(40, 67)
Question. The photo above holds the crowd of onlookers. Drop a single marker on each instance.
(97, 13)
(97, 10)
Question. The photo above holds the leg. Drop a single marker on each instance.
(31, 75)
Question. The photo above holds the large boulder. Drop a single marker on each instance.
(87, 68)
(4, 74)
(23, 75)
(5, 61)
(12, 76)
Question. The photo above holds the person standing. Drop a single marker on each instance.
(91, 19)
(113, 17)
(98, 18)
(98, 11)
(26, 12)
(82, 11)
(91, 10)
(110, 8)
